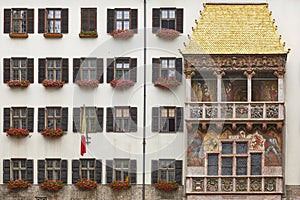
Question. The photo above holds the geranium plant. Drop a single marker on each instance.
(86, 184)
(122, 34)
(166, 82)
(18, 83)
(52, 185)
(88, 83)
(53, 133)
(17, 132)
(121, 84)
(167, 34)
(53, 83)
(18, 184)
(120, 185)
(166, 186)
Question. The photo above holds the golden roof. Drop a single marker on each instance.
(235, 29)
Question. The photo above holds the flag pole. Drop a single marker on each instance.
(83, 126)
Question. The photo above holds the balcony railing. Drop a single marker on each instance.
(235, 111)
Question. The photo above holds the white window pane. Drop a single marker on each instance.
(172, 63)
(50, 14)
(126, 112)
(119, 14)
(15, 14)
(57, 26)
(164, 14)
(57, 14)
(164, 63)
(119, 25)
(119, 65)
(126, 65)
(171, 112)
(171, 74)
(118, 112)
(23, 14)
(172, 14)
(50, 26)
(164, 113)
(126, 25)
(126, 14)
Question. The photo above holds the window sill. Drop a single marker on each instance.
(18, 35)
(53, 35)
(84, 35)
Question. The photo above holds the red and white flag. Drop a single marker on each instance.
(83, 145)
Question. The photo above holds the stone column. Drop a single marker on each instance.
(189, 72)
(249, 74)
(219, 74)
(280, 75)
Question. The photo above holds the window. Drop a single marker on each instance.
(121, 68)
(52, 169)
(166, 68)
(18, 169)
(234, 87)
(167, 170)
(121, 170)
(18, 117)
(88, 20)
(15, 169)
(53, 21)
(167, 18)
(121, 119)
(88, 69)
(264, 87)
(121, 19)
(18, 69)
(53, 118)
(18, 21)
(93, 116)
(56, 69)
(88, 168)
(167, 119)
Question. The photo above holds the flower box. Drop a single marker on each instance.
(166, 186)
(119, 185)
(53, 83)
(86, 184)
(53, 35)
(51, 185)
(18, 35)
(167, 34)
(53, 133)
(18, 83)
(88, 83)
(17, 132)
(18, 184)
(166, 83)
(122, 34)
(88, 34)
(121, 84)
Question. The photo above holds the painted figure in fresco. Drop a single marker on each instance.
(196, 146)
(197, 91)
(205, 93)
(272, 146)
(257, 141)
(211, 142)
(273, 93)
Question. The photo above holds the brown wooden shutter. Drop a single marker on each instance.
(41, 26)
(110, 20)
(155, 69)
(29, 171)
(41, 119)
(179, 119)
(99, 126)
(178, 65)
(6, 171)
(76, 68)
(109, 120)
(100, 70)
(30, 20)
(76, 120)
(75, 171)
(179, 20)
(154, 171)
(30, 70)
(133, 115)
(7, 20)
(64, 171)
(155, 19)
(30, 114)
(65, 70)
(98, 172)
(65, 20)
(110, 69)
(132, 171)
(134, 20)
(41, 171)
(133, 69)
(155, 119)
(6, 119)
(6, 70)
(42, 70)
(178, 172)
(109, 171)
(64, 123)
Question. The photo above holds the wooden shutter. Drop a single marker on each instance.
(65, 70)
(132, 171)
(7, 20)
(98, 173)
(155, 119)
(75, 171)
(65, 20)
(29, 170)
(179, 20)
(41, 171)
(64, 123)
(76, 68)
(30, 20)
(133, 69)
(178, 172)
(6, 119)
(155, 69)
(133, 115)
(76, 120)
(178, 65)
(110, 20)
(134, 20)
(30, 115)
(155, 19)
(109, 171)
(110, 69)
(6, 171)
(109, 120)
(41, 26)
(154, 171)
(41, 119)
(6, 70)
(100, 70)
(179, 119)
(99, 124)
(30, 68)
(64, 171)
(42, 70)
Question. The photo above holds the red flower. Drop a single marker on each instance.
(122, 34)
(166, 186)
(18, 83)
(18, 184)
(17, 132)
(120, 185)
(86, 184)
(167, 34)
(53, 83)
(88, 83)
(121, 84)
(166, 82)
(52, 185)
(52, 132)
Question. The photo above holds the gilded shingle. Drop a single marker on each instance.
(235, 29)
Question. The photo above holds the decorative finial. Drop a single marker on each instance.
(289, 50)
(273, 21)
(270, 13)
(200, 12)
(276, 28)
(193, 29)
(189, 36)
(180, 51)
(283, 44)
(196, 21)
(184, 44)
(280, 37)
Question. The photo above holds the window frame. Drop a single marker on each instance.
(168, 68)
(19, 168)
(122, 118)
(47, 19)
(54, 118)
(168, 18)
(88, 19)
(88, 69)
(166, 120)
(122, 20)
(88, 169)
(122, 169)
(167, 170)
(54, 69)
(88, 119)
(53, 169)
(125, 71)
(19, 118)
(13, 19)
(19, 68)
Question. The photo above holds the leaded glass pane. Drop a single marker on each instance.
(164, 14)
(241, 166)
(227, 166)
(171, 74)
(227, 148)
(126, 14)
(50, 13)
(172, 63)
(241, 147)
(256, 160)
(164, 63)
(119, 14)
(15, 174)
(84, 174)
(172, 14)
(119, 25)
(213, 163)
